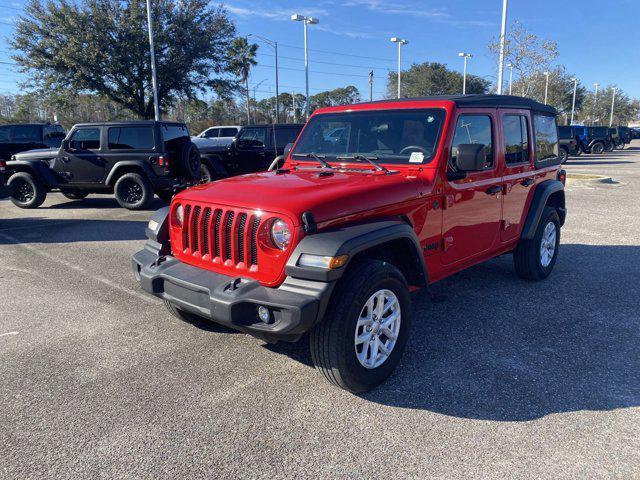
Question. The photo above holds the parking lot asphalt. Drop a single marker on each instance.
(504, 378)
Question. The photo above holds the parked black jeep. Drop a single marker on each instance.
(598, 140)
(253, 150)
(567, 143)
(621, 136)
(21, 137)
(133, 160)
(5, 190)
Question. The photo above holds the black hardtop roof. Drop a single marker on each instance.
(478, 100)
(128, 122)
(20, 124)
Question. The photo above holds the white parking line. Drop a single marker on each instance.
(8, 333)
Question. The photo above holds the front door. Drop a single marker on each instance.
(518, 171)
(472, 205)
(82, 162)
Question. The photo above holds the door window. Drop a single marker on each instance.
(546, 137)
(211, 133)
(516, 139)
(228, 132)
(130, 138)
(85, 139)
(253, 137)
(27, 133)
(473, 129)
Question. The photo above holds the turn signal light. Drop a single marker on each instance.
(163, 161)
(318, 261)
(562, 176)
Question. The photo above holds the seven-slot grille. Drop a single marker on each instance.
(221, 235)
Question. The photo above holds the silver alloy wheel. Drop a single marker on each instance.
(548, 244)
(377, 329)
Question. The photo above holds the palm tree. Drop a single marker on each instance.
(242, 57)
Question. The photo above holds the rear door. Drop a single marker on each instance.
(516, 157)
(82, 163)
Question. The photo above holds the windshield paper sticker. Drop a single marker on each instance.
(416, 157)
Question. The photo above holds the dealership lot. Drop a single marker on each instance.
(502, 378)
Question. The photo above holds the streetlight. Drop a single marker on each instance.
(466, 56)
(613, 101)
(510, 65)
(400, 42)
(273, 44)
(503, 36)
(573, 103)
(595, 104)
(154, 82)
(305, 21)
(546, 86)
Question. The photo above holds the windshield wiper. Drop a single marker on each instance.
(371, 160)
(319, 158)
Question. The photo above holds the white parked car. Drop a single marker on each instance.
(216, 136)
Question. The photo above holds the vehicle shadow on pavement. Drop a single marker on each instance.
(50, 230)
(597, 162)
(100, 202)
(500, 348)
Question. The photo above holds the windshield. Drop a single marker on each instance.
(392, 136)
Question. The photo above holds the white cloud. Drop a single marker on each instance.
(273, 14)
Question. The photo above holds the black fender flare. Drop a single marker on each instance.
(38, 168)
(351, 240)
(541, 196)
(215, 162)
(113, 173)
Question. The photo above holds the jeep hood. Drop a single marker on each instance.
(326, 196)
(37, 154)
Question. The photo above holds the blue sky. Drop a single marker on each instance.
(598, 41)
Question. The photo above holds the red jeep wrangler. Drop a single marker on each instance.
(373, 201)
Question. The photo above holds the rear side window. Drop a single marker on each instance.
(286, 135)
(4, 134)
(546, 137)
(253, 137)
(228, 132)
(130, 138)
(516, 139)
(85, 139)
(474, 129)
(27, 133)
(211, 133)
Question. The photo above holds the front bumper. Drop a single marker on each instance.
(295, 306)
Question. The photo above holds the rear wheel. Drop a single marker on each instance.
(360, 340)
(609, 147)
(597, 148)
(75, 195)
(27, 190)
(534, 259)
(133, 191)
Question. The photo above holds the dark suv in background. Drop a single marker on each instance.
(598, 140)
(252, 150)
(133, 160)
(21, 137)
(567, 143)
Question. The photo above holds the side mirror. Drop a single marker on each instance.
(287, 149)
(471, 156)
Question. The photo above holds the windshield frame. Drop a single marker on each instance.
(330, 157)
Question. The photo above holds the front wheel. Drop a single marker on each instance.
(361, 339)
(534, 259)
(133, 191)
(27, 190)
(597, 148)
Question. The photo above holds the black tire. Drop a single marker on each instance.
(527, 257)
(133, 191)
(333, 350)
(564, 154)
(205, 173)
(609, 147)
(597, 148)
(189, 161)
(165, 195)
(27, 190)
(76, 195)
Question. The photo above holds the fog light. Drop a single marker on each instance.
(264, 315)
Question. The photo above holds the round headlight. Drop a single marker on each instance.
(280, 234)
(179, 215)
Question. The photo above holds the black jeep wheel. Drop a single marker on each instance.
(75, 195)
(133, 191)
(609, 147)
(360, 340)
(597, 148)
(27, 190)
(534, 259)
(564, 154)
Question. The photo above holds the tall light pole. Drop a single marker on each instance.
(154, 82)
(305, 21)
(613, 101)
(466, 56)
(510, 65)
(503, 37)
(546, 86)
(573, 103)
(595, 104)
(371, 85)
(400, 42)
(273, 44)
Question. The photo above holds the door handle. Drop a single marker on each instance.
(493, 190)
(527, 182)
